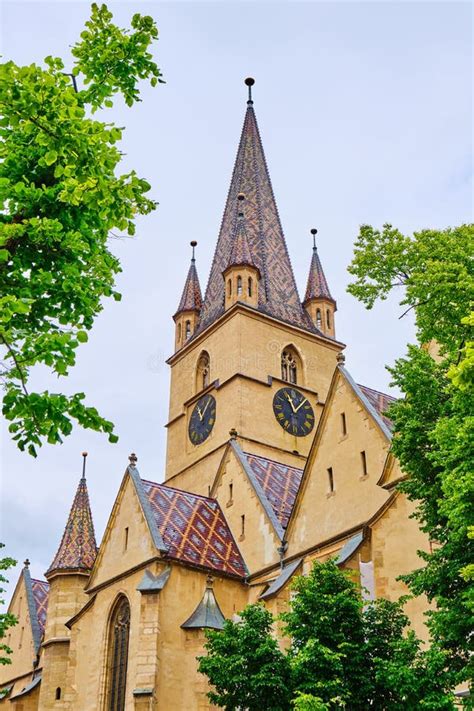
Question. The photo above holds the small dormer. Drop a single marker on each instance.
(187, 315)
(241, 276)
(318, 302)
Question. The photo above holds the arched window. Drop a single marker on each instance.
(179, 331)
(229, 287)
(239, 285)
(58, 693)
(328, 318)
(188, 329)
(119, 632)
(203, 371)
(318, 319)
(250, 286)
(289, 365)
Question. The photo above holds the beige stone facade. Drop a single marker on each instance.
(253, 504)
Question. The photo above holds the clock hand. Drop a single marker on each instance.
(204, 411)
(199, 412)
(291, 402)
(301, 404)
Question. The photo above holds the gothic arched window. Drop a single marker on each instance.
(119, 632)
(318, 319)
(328, 318)
(203, 371)
(229, 287)
(250, 286)
(188, 330)
(289, 365)
(239, 285)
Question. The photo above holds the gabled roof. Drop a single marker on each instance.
(278, 294)
(78, 549)
(40, 595)
(380, 403)
(191, 298)
(193, 529)
(317, 286)
(37, 592)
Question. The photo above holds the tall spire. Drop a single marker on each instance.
(317, 286)
(191, 298)
(278, 294)
(78, 548)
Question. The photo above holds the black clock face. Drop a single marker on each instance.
(202, 419)
(293, 412)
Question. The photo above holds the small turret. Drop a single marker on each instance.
(187, 315)
(318, 302)
(241, 275)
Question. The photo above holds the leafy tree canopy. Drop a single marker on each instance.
(434, 421)
(61, 196)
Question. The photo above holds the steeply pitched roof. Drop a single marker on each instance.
(240, 254)
(278, 294)
(191, 298)
(193, 529)
(78, 548)
(37, 592)
(40, 595)
(380, 402)
(317, 286)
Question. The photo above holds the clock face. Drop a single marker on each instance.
(293, 411)
(202, 419)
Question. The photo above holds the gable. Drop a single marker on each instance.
(127, 540)
(21, 638)
(350, 448)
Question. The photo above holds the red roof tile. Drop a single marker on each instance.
(78, 548)
(194, 529)
(240, 255)
(40, 590)
(317, 286)
(280, 484)
(380, 402)
(191, 298)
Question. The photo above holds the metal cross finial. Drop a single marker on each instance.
(193, 245)
(250, 82)
(314, 232)
(341, 358)
(233, 433)
(84, 457)
(133, 459)
(26, 563)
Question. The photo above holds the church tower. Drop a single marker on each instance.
(318, 302)
(67, 577)
(252, 353)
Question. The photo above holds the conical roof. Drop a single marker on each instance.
(278, 294)
(241, 255)
(317, 286)
(191, 298)
(78, 548)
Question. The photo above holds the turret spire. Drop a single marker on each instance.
(318, 302)
(78, 548)
(241, 254)
(191, 298)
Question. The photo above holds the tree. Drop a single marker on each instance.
(343, 654)
(433, 422)
(245, 666)
(61, 198)
(7, 620)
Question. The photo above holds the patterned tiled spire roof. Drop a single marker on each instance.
(317, 287)
(277, 294)
(191, 298)
(78, 549)
(241, 255)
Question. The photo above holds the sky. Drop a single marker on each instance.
(365, 112)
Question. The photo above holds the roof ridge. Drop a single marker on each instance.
(380, 392)
(274, 461)
(181, 491)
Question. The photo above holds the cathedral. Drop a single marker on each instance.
(276, 458)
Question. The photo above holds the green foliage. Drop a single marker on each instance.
(434, 421)
(245, 666)
(6, 619)
(61, 196)
(341, 655)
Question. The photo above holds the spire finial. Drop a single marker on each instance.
(84, 457)
(314, 232)
(209, 581)
(133, 459)
(341, 358)
(26, 563)
(250, 82)
(233, 433)
(193, 245)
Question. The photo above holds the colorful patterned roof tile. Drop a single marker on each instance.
(317, 286)
(78, 548)
(191, 298)
(194, 529)
(278, 294)
(240, 255)
(279, 482)
(380, 402)
(40, 595)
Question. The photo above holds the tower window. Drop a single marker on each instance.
(119, 633)
(229, 287)
(239, 285)
(179, 331)
(58, 693)
(343, 423)
(188, 329)
(250, 286)
(289, 366)
(318, 319)
(363, 460)
(203, 371)
(330, 480)
(328, 318)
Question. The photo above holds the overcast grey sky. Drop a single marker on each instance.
(365, 112)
